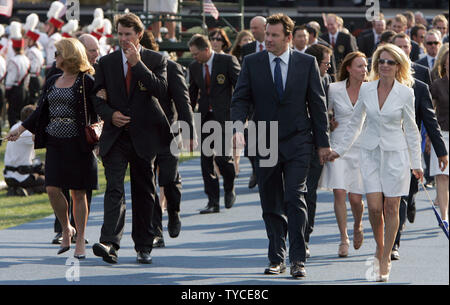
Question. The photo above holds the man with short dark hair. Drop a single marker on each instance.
(292, 102)
(128, 83)
(213, 77)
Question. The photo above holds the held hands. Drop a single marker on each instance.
(418, 173)
(102, 94)
(131, 53)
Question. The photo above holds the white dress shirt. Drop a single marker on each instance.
(284, 64)
(18, 153)
(125, 61)
(258, 44)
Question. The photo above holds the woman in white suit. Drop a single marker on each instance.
(389, 145)
(344, 175)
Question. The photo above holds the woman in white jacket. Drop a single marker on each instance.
(389, 145)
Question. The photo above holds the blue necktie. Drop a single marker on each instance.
(432, 62)
(278, 78)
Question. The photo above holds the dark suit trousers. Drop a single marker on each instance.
(282, 191)
(142, 195)
(170, 179)
(404, 201)
(312, 182)
(226, 168)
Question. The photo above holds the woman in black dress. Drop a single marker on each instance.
(58, 124)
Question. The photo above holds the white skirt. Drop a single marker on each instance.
(387, 172)
(161, 6)
(344, 173)
(434, 163)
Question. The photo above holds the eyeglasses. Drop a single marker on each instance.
(326, 63)
(433, 42)
(57, 54)
(216, 39)
(382, 61)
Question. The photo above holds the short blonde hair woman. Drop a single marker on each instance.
(390, 147)
(58, 124)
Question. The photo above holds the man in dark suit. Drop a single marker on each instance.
(258, 28)
(368, 40)
(212, 80)
(432, 45)
(177, 107)
(424, 115)
(128, 83)
(341, 42)
(283, 86)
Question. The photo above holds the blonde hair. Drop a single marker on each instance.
(74, 56)
(439, 65)
(403, 74)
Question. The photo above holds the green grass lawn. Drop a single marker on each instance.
(18, 210)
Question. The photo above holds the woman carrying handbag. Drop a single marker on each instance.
(59, 124)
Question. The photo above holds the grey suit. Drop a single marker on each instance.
(302, 123)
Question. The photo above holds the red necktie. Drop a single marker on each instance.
(261, 48)
(332, 41)
(128, 78)
(207, 79)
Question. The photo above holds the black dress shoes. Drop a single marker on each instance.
(57, 239)
(253, 182)
(105, 251)
(144, 257)
(174, 224)
(230, 199)
(275, 268)
(298, 269)
(158, 242)
(211, 208)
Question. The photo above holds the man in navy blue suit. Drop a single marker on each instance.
(283, 86)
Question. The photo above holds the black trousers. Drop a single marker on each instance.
(142, 195)
(225, 165)
(282, 191)
(17, 97)
(170, 179)
(404, 201)
(312, 182)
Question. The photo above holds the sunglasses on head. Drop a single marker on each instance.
(382, 61)
(433, 42)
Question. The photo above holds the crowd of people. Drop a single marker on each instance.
(355, 115)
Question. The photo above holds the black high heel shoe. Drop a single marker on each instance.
(67, 248)
(81, 256)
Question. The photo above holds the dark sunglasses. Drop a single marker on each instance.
(433, 42)
(216, 39)
(57, 54)
(382, 61)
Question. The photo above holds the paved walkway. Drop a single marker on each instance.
(226, 248)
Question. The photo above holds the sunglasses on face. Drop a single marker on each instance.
(433, 43)
(57, 54)
(216, 38)
(382, 61)
(326, 63)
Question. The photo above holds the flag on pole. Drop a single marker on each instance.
(210, 8)
(6, 7)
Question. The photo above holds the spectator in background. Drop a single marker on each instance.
(439, 58)
(220, 42)
(243, 38)
(258, 29)
(341, 43)
(300, 38)
(440, 23)
(368, 41)
(432, 46)
(420, 19)
(162, 8)
(418, 35)
(400, 25)
(22, 175)
(410, 21)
